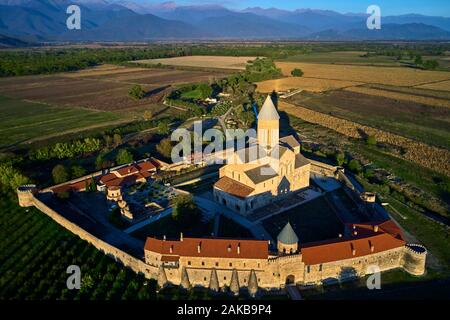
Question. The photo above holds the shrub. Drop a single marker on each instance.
(297, 72)
(77, 171)
(354, 166)
(124, 156)
(371, 140)
(59, 174)
(136, 92)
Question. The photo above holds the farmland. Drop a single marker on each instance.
(366, 74)
(344, 57)
(431, 127)
(440, 85)
(401, 96)
(102, 88)
(309, 84)
(215, 62)
(22, 120)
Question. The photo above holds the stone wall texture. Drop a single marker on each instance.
(271, 273)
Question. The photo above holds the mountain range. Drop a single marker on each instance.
(107, 20)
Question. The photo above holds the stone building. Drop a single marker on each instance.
(264, 171)
(219, 263)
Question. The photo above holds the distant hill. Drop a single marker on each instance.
(9, 42)
(127, 20)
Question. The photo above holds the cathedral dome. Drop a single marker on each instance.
(287, 235)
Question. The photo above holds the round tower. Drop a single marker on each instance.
(414, 259)
(287, 240)
(26, 194)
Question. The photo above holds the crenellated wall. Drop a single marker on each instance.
(271, 273)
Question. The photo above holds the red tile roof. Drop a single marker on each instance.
(127, 171)
(77, 186)
(233, 187)
(129, 174)
(210, 248)
(366, 241)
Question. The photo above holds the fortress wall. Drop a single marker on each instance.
(118, 255)
(201, 277)
(323, 168)
(414, 259)
(357, 267)
(288, 266)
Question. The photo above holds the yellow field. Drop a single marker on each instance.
(220, 62)
(401, 96)
(366, 74)
(309, 84)
(443, 85)
(105, 69)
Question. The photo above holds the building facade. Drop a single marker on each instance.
(265, 171)
(364, 249)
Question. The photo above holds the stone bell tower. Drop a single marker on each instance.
(268, 125)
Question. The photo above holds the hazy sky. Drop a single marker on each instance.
(388, 7)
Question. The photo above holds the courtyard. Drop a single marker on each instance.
(312, 221)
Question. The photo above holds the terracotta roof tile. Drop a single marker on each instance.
(233, 187)
(210, 248)
(365, 242)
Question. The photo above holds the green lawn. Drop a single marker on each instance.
(22, 120)
(194, 94)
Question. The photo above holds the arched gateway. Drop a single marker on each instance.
(290, 280)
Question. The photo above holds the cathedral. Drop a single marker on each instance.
(271, 168)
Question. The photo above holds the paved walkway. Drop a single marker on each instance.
(293, 292)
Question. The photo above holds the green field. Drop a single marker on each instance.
(22, 120)
(409, 119)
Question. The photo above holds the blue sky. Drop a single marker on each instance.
(388, 7)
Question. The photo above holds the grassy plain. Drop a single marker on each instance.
(22, 120)
(309, 84)
(101, 88)
(343, 57)
(216, 62)
(440, 85)
(366, 74)
(408, 119)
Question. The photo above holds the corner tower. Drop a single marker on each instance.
(287, 240)
(268, 125)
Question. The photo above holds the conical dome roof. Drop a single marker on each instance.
(268, 110)
(287, 235)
